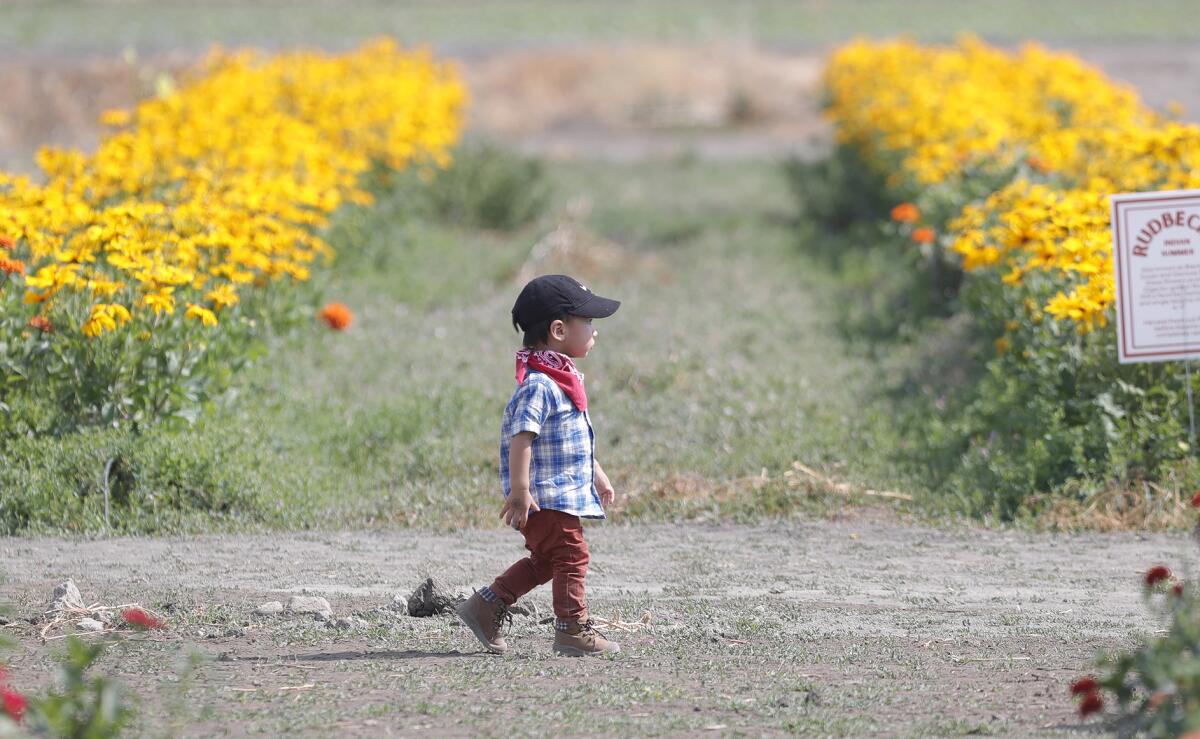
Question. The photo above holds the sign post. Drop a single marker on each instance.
(1156, 264)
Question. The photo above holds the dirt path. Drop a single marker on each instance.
(850, 627)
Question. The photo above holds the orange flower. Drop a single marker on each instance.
(9, 266)
(337, 316)
(7, 242)
(924, 235)
(906, 213)
(1037, 163)
(41, 323)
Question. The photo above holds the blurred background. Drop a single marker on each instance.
(612, 79)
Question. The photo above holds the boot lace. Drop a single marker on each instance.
(500, 618)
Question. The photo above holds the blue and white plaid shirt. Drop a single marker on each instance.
(561, 468)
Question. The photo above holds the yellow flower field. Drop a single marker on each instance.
(1056, 135)
(196, 196)
(132, 278)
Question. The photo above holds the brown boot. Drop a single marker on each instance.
(485, 619)
(582, 640)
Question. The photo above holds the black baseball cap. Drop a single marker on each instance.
(551, 296)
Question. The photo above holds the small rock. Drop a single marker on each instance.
(347, 622)
(313, 604)
(430, 598)
(270, 608)
(529, 610)
(90, 624)
(65, 597)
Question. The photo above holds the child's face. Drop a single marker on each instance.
(575, 336)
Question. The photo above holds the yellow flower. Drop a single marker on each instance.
(222, 296)
(160, 301)
(204, 315)
(105, 317)
(114, 117)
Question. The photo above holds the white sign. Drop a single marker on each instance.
(1156, 258)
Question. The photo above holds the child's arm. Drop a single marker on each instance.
(517, 505)
(603, 486)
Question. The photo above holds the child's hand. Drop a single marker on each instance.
(516, 509)
(604, 487)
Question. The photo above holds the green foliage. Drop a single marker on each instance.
(118, 480)
(1046, 410)
(998, 404)
(837, 191)
(891, 286)
(1157, 684)
(158, 369)
(82, 707)
(486, 186)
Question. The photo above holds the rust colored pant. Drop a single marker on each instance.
(557, 552)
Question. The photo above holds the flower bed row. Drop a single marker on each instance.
(1004, 162)
(132, 277)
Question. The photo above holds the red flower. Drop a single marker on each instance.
(14, 704)
(924, 235)
(140, 620)
(1084, 685)
(337, 316)
(906, 213)
(1091, 703)
(1196, 499)
(1157, 574)
(1177, 590)
(41, 323)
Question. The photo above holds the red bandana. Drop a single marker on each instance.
(557, 367)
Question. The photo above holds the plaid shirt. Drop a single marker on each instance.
(561, 467)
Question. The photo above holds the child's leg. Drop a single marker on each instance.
(523, 576)
(526, 574)
(567, 554)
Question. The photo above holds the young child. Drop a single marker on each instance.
(551, 479)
